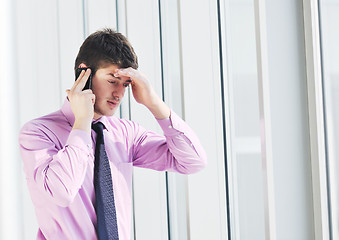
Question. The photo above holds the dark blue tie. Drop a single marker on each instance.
(107, 227)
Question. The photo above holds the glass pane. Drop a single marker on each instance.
(244, 158)
(329, 19)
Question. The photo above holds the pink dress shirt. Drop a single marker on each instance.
(59, 164)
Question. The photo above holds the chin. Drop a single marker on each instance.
(107, 113)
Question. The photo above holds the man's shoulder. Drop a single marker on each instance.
(47, 122)
(51, 130)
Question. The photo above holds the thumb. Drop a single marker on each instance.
(68, 91)
(93, 98)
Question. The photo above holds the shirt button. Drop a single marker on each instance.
(169, 126)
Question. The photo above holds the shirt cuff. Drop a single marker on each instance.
(80, 139)
(171, 126)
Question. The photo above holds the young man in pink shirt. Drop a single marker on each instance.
(58, 149)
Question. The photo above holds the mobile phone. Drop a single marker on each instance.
(89, 80)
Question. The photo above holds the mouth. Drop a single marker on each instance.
(112, 103)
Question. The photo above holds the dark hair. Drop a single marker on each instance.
(106, 46)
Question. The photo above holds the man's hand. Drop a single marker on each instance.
(82, 102)
(144, 93)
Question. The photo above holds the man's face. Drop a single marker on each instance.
(108, 90)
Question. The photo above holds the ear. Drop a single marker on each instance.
(82, 65)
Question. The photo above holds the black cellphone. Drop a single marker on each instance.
(89, 80)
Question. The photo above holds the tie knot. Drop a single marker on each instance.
(98, 127)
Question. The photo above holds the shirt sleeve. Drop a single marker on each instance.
(179, 150)
(55, 173)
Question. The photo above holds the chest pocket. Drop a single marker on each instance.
(116, 150)
(119, 155)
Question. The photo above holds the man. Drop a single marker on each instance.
(58, 149)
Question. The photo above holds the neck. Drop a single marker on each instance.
(97, 116)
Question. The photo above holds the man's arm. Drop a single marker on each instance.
(59, 173)
(144, 94)
(54, 174)
(180, 150)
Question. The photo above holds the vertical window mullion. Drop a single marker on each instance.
(317, 120)
(265, 119)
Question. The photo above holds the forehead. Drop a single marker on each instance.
(109, 70)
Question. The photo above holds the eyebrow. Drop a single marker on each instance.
(114, 76)
(111, 74)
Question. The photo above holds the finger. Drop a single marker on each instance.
(82, 81)
(88, 91)
(127, 72)
(82, 73)
(89, 94)
(68, 93)
(93, 98)
(133, 74)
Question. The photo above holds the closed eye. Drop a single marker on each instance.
(128, 82)
(124, 84)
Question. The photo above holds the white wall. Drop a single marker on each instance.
(200, 56)
(290, 136)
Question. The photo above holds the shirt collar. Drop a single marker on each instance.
(103, 120)
(67, 111)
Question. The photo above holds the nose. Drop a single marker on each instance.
(119, 90)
